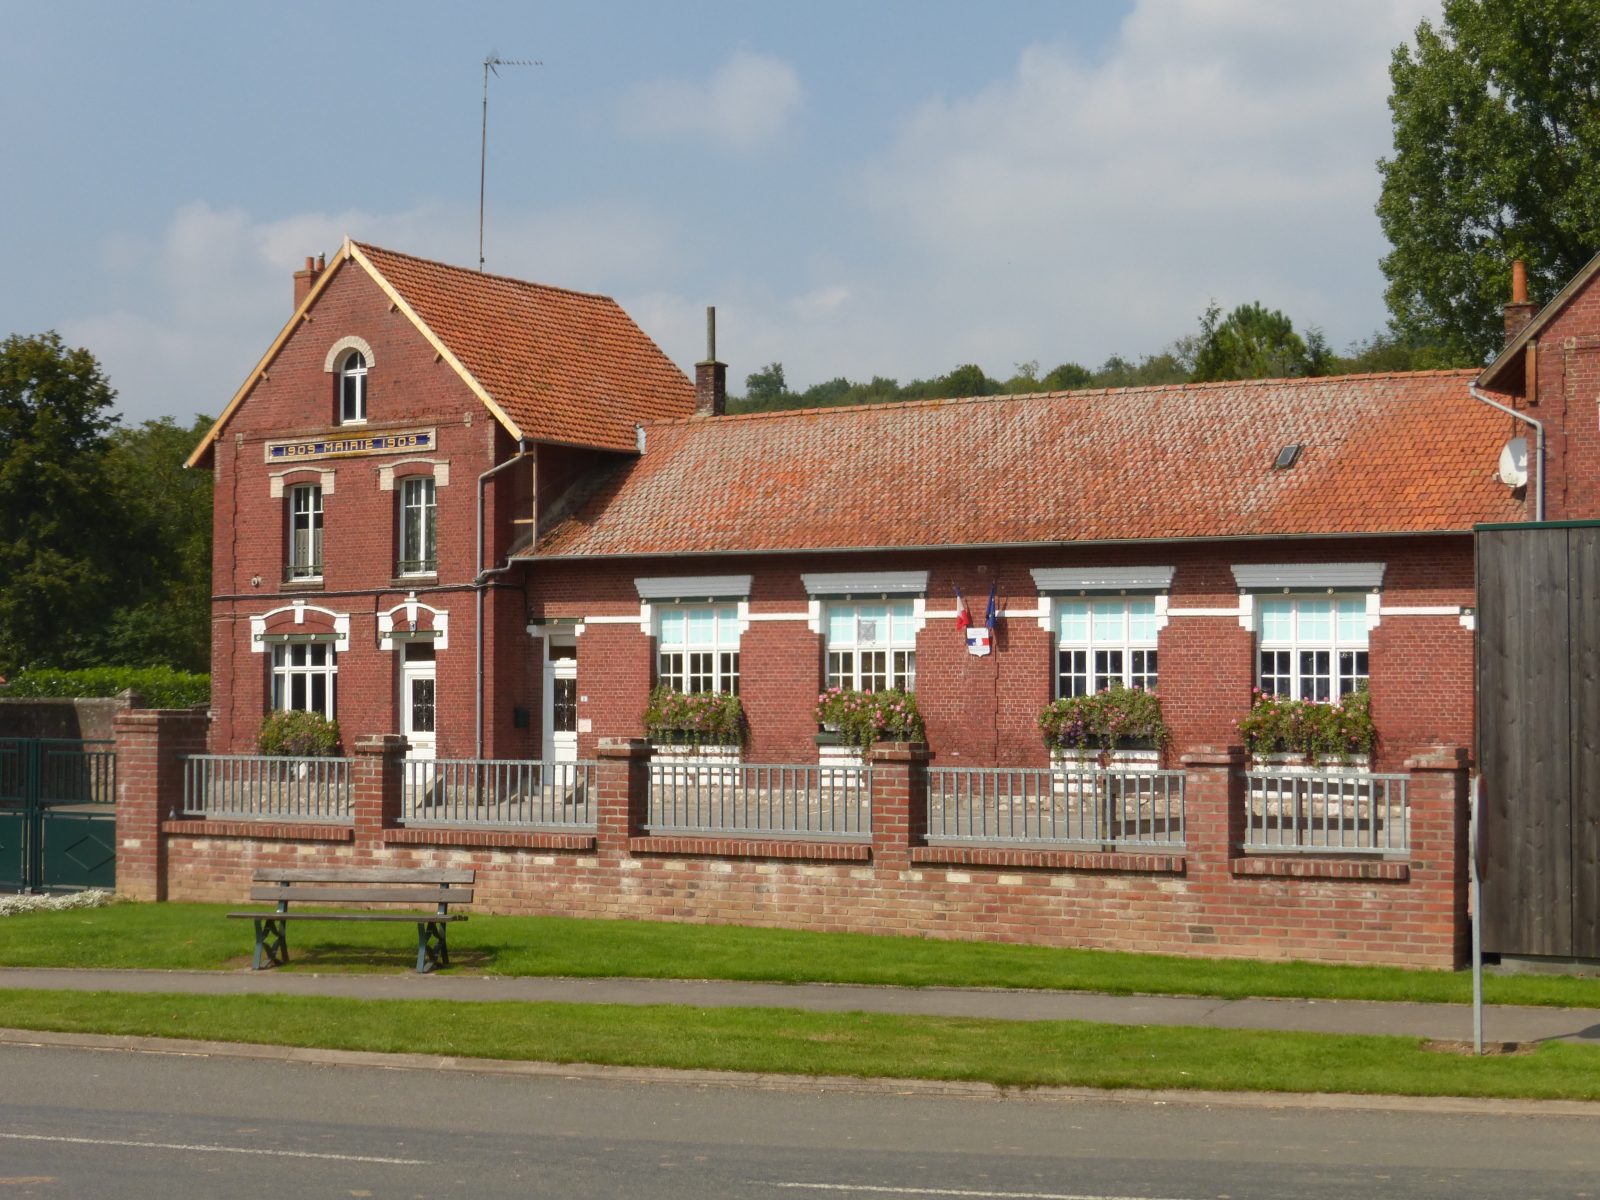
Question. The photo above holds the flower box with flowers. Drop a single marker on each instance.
(1120, 726)
(1309, 735)
(853, 722)
(703, 726)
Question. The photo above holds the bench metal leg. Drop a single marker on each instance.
(272, 942)
(433, 950)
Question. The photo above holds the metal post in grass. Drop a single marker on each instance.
(1477, 919)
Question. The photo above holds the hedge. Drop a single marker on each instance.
(158, 687)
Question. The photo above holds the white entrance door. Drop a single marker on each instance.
(417, 705)
(561, 698)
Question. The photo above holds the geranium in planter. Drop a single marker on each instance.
(296, 733)
(1118, 718)
(694, 718)
(1315, 729)
(862, 718)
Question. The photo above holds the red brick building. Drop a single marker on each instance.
(492, 515)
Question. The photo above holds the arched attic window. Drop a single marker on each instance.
(353, 389)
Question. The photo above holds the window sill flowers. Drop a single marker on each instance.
(695, 718)
(863, 718)
(1118, 718)
(1316, 730)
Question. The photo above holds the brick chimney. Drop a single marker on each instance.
(710, 376)
(304, 279)
(1520, 311)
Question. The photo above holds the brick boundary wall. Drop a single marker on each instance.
(1208, 899)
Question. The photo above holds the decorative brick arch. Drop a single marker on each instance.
(342, 347)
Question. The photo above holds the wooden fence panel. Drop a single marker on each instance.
(1583, 570)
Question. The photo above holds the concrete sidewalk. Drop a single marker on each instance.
(1444, 1022)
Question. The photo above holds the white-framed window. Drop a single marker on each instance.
(872, 646)
(1105, 642)
(698, 648)
(418, 525)
(353, 389)
(305, 532)
(1312, 649)
(302, 676)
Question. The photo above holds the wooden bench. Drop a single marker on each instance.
(371, 885)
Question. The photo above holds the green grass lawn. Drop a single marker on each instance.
(788, 1041)
(198, 937)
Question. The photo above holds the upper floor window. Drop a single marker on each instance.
(699, 649)
(303, 675)
(353, 389)
(305, 532)
(872, 646)
(1312, 649)
(1104, 642)
(418, 525)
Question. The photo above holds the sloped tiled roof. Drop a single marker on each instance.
(564, 366)
(1401, 453)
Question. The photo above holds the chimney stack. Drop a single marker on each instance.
(1520, 311)
(304, 279)
(710, 376)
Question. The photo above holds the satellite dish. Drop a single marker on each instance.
(1514, 463)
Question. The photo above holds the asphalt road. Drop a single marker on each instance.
(104, 1123)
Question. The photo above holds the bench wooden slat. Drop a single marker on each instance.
(409, 918)
(363, 875)
(312, 893)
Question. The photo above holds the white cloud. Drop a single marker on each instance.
(746, 103)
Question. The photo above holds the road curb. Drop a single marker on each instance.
(1327, 1101)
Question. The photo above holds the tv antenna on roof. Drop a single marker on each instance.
(490, 64)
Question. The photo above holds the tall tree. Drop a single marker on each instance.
(59, 539)
(1255, 342)
(1496, 118)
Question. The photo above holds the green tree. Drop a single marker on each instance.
(1496, 116)
(766, 388)
(1254, 342)
(1067, 377)
(164, 614)
(60, 536)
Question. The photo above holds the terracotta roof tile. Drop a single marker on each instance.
(1402, 453)
(565, 366)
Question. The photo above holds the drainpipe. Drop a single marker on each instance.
(1538, 451)
(480, 581)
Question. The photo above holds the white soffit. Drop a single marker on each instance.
(693, 587)
(1103, 579)
(1299, 577)
(866, 583)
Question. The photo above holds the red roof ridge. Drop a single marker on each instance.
(1463, 373)
(367, 247)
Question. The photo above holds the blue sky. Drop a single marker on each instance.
(887, 187)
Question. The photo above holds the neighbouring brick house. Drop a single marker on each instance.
(491, 515)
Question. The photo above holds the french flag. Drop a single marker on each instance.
(963, 617)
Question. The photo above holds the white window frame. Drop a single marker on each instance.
(699, 656)
(318, 663)
(304, 557)
(353, 389)
(872, 658)
(1097, 656)
(1311, 663)
(419, 519)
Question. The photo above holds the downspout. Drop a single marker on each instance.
(1538, 451)
(480, 582)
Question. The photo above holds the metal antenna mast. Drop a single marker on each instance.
(489, 64)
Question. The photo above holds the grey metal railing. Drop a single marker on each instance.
(508, 792)
(1341, 811)
(266, 787)
(1063, 804)
(804, 800)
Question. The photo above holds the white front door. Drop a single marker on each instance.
(417, 705)
(561, 698)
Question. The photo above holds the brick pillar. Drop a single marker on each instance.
(151, 745)
(1437, 798)
(622, 794)
(376, 778)
(899, 802)
(1213, 810)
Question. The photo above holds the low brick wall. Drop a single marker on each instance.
(1208, 899)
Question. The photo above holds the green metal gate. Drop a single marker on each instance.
(58, 816)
